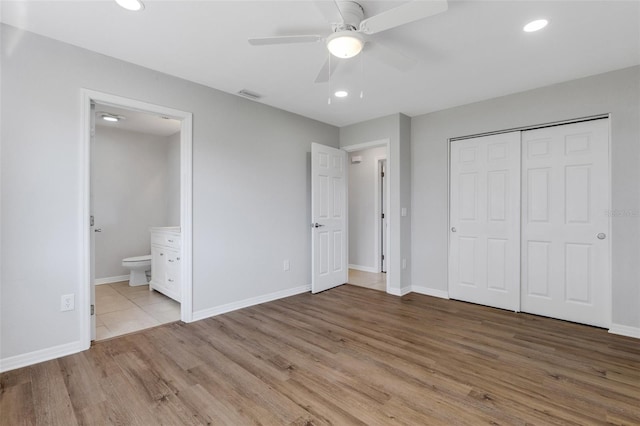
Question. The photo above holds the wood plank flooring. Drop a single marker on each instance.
(346, 356)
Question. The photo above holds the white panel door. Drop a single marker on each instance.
(329, 218)
(565, 246)
(484, 256)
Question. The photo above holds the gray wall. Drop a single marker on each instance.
(250, 186)
(617, 93)
(173, 180)
(135, 186)
(396, 129)
(363, 185)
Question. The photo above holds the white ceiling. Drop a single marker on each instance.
(136, 121)
(474, 51)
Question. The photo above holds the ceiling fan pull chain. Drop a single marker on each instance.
(362, 76)
(329, 83)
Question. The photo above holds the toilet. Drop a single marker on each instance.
(138, 265)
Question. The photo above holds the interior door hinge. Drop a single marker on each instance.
(383, 215)
(383, 257)
(381, 174)
(93, 309)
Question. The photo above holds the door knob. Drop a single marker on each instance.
(601, 236)
(97, 230)
(453, 229)
(316, 225)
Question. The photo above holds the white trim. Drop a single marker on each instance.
(625, 330)
(41, 355)
(442, 294)
(366, 145)
(387, 144)
(233, 306)
(109, 280)
(399, 291)
(364, 268)
(186, 205)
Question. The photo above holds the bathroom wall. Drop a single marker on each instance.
(133, 190)
(173, 180)
(363, 185)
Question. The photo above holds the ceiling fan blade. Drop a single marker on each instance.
(404, 14)
(327, 70)
(329, 10)
(263, 41)
(392, 57)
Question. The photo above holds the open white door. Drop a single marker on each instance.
(92, 248)
(328, 217)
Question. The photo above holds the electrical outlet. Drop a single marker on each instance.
(67, 303)
(286, 265)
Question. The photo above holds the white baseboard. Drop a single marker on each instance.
(363, 268)
(109, 280)
(625, 330)
(443, 294)
(211, 312)
(41, 355)
(399, 291)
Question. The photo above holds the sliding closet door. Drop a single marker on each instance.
(565, 241)
(484, 257)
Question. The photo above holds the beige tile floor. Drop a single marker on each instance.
(368, 280)
(122, 309)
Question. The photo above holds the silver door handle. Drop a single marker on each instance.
(601, 236)
(316, 225)
(97, 230)
(453, 229)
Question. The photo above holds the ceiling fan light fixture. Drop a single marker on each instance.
(345, 44)
(133, 5)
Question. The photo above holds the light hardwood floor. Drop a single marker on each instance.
(345, 356)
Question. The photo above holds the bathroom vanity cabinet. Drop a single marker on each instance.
(165, 261)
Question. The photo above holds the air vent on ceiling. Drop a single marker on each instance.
(249, 95)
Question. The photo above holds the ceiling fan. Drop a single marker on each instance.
(352, 32)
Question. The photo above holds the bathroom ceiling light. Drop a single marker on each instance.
(134, 5)
(536, 25)
(111, 117)
(341, 94)
(345, 44)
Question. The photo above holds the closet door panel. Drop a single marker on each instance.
(566, 266)
(485, 218)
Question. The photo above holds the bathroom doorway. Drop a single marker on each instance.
(138, 170)
(135, 187)
(368, 206)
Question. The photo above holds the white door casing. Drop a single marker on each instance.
(484, 249)
(329, 218)
(566, 266)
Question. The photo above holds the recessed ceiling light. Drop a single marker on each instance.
(341, 94)
(536, 25)
(134, 5)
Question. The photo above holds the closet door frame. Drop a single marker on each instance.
(610, 237)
